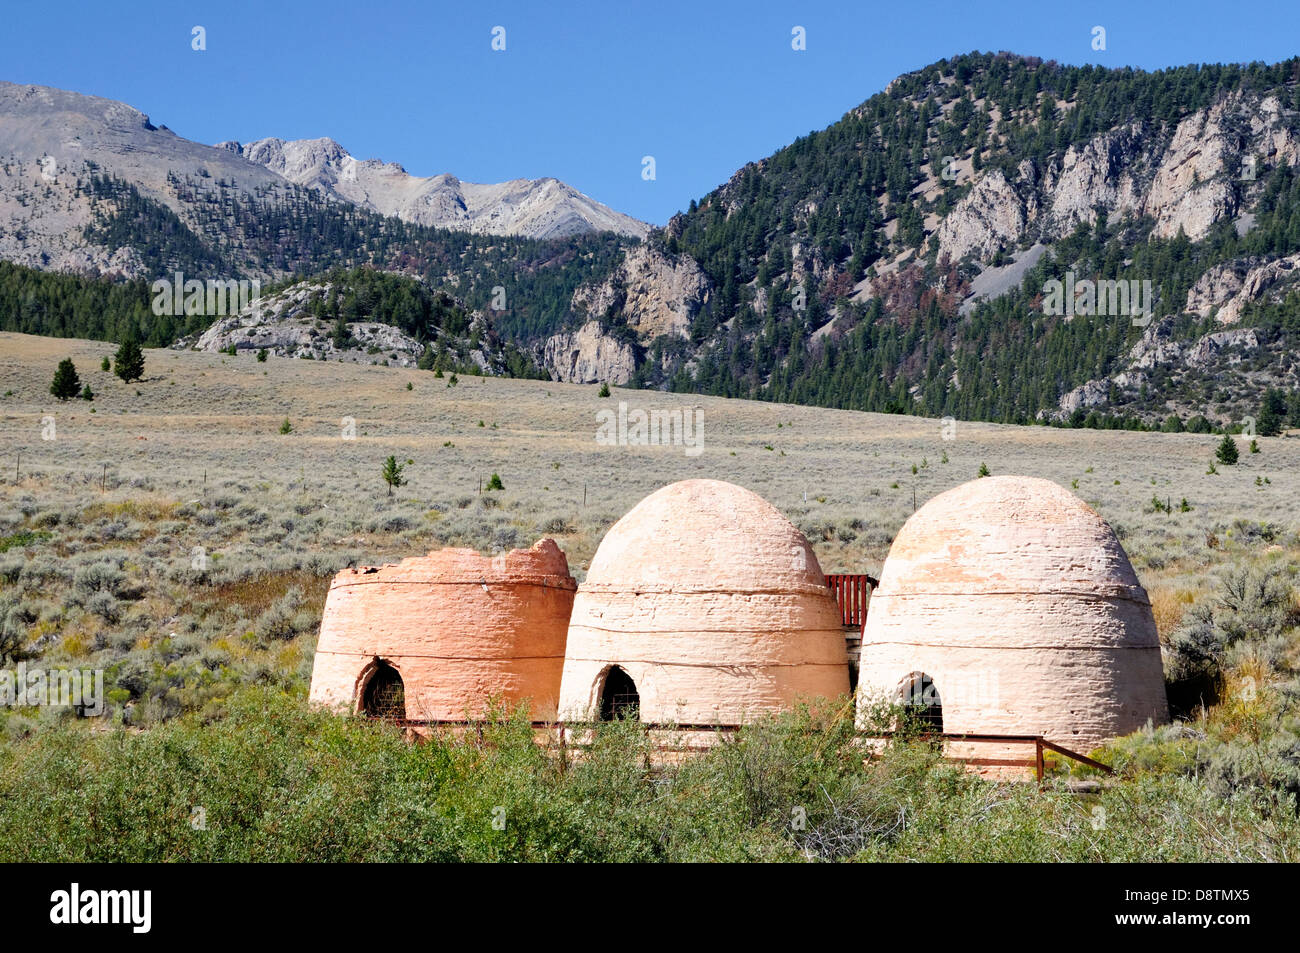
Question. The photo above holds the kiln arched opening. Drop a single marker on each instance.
(920, 698)
(384, 695)
(618, 696)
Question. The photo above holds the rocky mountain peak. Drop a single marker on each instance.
(535, 208)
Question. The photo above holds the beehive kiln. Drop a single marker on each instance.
(437, 637)
(703, 605)
(1008, 606)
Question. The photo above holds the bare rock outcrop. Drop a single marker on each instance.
(1156, 347)
(1231, 344)
(588, 355)
(1087, 395)
(1091, 175)
(1187, 179)
(991, 215)
(654, 294)
(1225, 289)
(648, 295)
(284, 325)
(1159, 353)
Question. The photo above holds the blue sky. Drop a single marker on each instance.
(583, 90)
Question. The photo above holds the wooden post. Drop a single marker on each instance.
(103, 478)
(564, 753)
(1038, 759)
(17, 463)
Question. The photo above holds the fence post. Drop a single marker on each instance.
(1038, 759)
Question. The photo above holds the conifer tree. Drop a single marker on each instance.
(66, 383)
(393, 474)
(1227, 450)
(128, 363)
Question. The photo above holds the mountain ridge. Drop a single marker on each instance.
(53, 142)
(900, 259)
(535, 208)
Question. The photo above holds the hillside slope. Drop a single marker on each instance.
(992, 237)
(901, 259)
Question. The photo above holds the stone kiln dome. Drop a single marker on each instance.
(1007, 606)
(445, 633)
(702, 605)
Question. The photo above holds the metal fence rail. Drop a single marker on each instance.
(559, 737)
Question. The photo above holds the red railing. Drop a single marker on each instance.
(852, 590)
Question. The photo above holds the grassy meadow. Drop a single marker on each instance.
(180, 533)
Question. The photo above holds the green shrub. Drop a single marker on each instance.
(265, 778)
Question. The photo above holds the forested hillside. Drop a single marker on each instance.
(862, 217)
(439, 327)
(898, 260)
(234, 234)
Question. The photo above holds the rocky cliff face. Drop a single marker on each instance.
(588, 355)
(654, 293)
(1238, 363)
(993, 214)
(1187, 180)
(282, 325)
(542, 208)
(1225, 289)
(647, 296)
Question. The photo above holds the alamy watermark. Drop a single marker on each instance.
(653, 428)
(56, 688)
(211, 298)
(133, 908)
(1071, 297)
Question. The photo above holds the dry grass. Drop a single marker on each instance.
(1169, 604)
(260, 592)
(192, 457)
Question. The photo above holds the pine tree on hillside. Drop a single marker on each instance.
(341, 335)
(66, 383)
(1227, 450)
(128, 363)
(393, 474)
(1272, 413)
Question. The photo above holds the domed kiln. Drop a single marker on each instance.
(1007, 606)
(436, 637)
(703, 605)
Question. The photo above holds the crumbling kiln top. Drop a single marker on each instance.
(544, 564)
